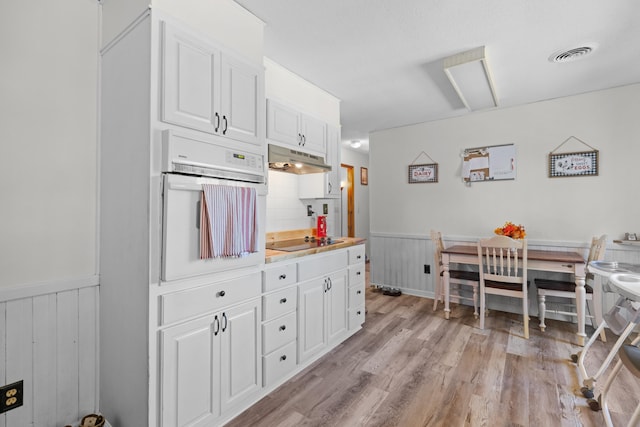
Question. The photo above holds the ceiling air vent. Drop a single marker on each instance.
(572, 54)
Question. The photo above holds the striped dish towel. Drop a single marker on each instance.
(228, 221)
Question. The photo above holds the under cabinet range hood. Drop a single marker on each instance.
(293, 161)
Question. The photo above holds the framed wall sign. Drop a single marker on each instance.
(420, 174)
(583, 163)
(491, 163)
(364, 176)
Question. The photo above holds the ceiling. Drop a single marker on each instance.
(384, 58)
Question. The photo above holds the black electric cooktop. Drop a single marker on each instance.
(301, 244)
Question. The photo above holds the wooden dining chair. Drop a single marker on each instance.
(457, 278)
(567, 289)
(502, 262)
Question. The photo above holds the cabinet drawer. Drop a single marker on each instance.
(278, 332)
(356, 317)
(322, 265)
(356, 296)
(356, 254)
(279, 303)
(203, 299)
(356, 274)
(279, 363)
(277, 277)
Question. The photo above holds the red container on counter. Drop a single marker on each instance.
(321, 230)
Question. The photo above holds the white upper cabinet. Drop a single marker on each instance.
(208, 90)
(314, 134)
(332, 187)
(287, 125)
(324, 185)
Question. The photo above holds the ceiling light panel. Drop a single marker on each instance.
(469, 74)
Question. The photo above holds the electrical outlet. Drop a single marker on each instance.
(309, 210)
(325, 208)
(427, 269)
(11, 396)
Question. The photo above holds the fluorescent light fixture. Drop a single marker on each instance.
(469, 74)
(355, 144)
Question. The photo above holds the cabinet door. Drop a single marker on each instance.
(314, 135)
(241, 345)
(190, 84)
(241, 105)
(283, 124)
(190, 373)
(337, 305)
(311, 318)
(332, 188)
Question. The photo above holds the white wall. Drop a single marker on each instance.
(283, 85)
(360, 192)
(48, 117)
(222, 20)
(559, 209)
(48, 218)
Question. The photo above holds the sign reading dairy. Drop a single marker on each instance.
(423, 173)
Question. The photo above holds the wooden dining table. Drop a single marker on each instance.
(540, 260)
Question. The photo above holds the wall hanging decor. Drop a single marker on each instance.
(582, 163)
(423, 173)
(491, 163)
(364, 176)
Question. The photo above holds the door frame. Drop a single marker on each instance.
(351, 228)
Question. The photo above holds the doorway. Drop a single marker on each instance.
(347, 218)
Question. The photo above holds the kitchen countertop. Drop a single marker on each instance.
(275, 255)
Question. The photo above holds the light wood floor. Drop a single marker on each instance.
(410, 367)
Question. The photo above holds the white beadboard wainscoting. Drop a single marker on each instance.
(49, 339)
(397, 260)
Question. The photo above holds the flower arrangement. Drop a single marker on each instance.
(509, 229)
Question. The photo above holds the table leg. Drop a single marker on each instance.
(445, 284)
(581, 302)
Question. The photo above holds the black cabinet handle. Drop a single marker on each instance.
(283, 301)
(358, 292)
(216, 325)
(358, 312)
(330, 284)
(221, 293)
(224, 119)
(283, 357)
(217, 122)
(224, 317)
(282, 276)
(304, 140)
(299, 139)
(359, 256)
(326, 286)
(283, 327)
(358, 273)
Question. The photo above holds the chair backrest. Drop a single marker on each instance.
(598, 248)
(596, 251)
(438, 247)
(503, 259)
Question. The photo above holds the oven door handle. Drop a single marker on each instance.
(198, 210)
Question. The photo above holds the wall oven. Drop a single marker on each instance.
(188, 164)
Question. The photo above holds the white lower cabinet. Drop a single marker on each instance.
(210, 364)
(224, 345)
(241, 373)
(279, 326)
(356, 286)
(190, 374)
(322, 313)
